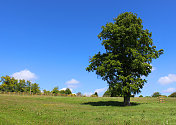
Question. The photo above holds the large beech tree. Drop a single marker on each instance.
(128, 56)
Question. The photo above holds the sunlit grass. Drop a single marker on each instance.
(84, 110)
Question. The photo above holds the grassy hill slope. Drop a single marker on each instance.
(84, 110)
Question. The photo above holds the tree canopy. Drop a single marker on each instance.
(128, 57)
(173, 94)
(10, 84)
(111, 93)
(55, 90)
(68, 91)
(107, 93)
(156, 94)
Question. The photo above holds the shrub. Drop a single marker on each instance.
(94, 95)
(140, 96)
(72, 95)
(79, 94)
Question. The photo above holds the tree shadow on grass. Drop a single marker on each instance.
(109, 103)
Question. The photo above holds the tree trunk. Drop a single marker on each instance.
(127, 100)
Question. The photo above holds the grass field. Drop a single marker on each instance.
(41, 110)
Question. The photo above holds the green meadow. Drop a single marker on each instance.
(58, 110)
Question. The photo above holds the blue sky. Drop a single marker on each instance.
(50, 41)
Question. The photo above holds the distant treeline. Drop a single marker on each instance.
(110, 93)
(56, 91)
(10, 84)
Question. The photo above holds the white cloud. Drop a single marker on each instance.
(167, 79)
(73, 83)
(153, 68)
(101, 90)
(24, 74)
(169, 90)
(63, 89)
